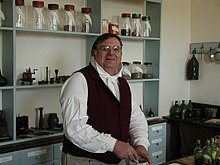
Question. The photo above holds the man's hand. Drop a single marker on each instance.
(124, 151)
(141, 151)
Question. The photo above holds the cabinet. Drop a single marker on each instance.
(157, 139)
(69, 51)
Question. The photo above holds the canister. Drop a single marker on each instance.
(20, 14)
(147, 70)
(70, 21)
(86, 19)
(53, 20)
(38, 15)
(137, 72)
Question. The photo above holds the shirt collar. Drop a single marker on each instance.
(102, 72)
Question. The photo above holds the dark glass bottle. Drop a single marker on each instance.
(193, 69)
(207, 153)
(150, 113)
(175, 110)
(183, 107)
(198, 153)
(189, 110)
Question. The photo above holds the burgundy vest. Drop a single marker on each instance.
(106, 114)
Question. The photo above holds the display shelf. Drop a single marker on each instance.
(15, 55)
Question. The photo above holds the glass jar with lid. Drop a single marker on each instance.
(70, 21)
(146, 27)
(147, 70)
(86, 19)
(53, 20)
(126, 71)
(136, 25)
(2, 15)
(125, 24)
(20, 14)
(136, 72)
(38, 15)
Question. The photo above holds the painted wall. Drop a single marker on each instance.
(175, 39)
(205, 27)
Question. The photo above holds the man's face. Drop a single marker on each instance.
(108, 55)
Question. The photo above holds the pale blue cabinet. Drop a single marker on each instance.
(11, 158)
(157, 139)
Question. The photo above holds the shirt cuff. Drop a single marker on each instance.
(111, 144)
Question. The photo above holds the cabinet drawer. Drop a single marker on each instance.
(157, 130)
(37, 155)
(158, 155)
(11, 158)
(157, 142)
(57, 150)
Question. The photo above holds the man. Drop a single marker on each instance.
(99, 115)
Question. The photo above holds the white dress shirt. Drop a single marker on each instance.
(73, 99)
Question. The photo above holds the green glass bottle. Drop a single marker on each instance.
(183, 107)
(198, 153)
(214, 150)
(189, 110)
(175, 110)
(207, 153)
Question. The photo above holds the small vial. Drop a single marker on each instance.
(2, 15)
(38, 15)
(20, 14)
(86, 20)
(70, 22)
(54, 21)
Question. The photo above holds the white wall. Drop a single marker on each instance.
(175, 41)
(205, 27)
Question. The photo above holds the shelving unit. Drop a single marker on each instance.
(23, 48)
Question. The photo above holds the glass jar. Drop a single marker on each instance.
(70, 23)
(104, 26)
(136, 72)
(126, 71)
(125, 24)
(2, 16)
(147, 70)
(86, 20)
(53, 21)
(20, 14)
(136, 25)
(38, 15)
(113, 28)
(146, 27)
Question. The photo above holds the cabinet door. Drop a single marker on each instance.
(11, 158)
(37, 155)
(57, 150)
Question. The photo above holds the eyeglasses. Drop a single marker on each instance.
(116, 49)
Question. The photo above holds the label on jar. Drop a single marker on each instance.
(113, 28)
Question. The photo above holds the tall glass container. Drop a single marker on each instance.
(146, 26)
(136, 25)
(53, 20)
(125, 24)
(2, 16)
(20, 14)
(86, 20)
(70, 21)
(38, 15)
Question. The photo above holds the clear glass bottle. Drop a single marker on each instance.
(147, 70)
(136, 72)
(198, 153)
(125, 24)
(20, 14)
(2, 15)
(38, 15)
(70, 21)
(86, 20)
(136, 25)
(146, 26)
(126, 71)
(53, 20)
